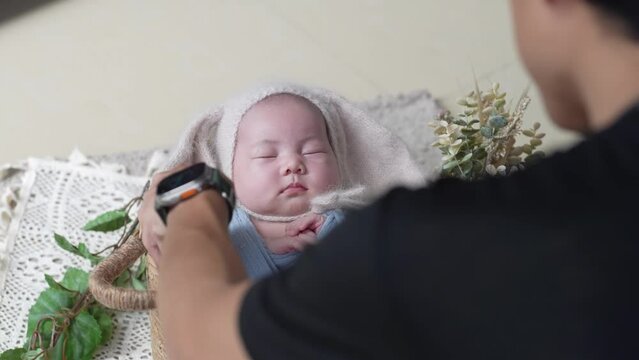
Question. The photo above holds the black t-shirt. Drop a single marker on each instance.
(542, 264)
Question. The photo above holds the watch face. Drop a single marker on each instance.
(180, 178)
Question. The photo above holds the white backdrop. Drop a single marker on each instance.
(120, 75)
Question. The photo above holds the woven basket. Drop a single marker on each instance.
(103, 290)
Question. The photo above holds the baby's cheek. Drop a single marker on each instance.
(327, 177)
(254, 186)
(263, 177)
(248, 187)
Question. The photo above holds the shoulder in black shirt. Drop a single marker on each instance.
(541, 264)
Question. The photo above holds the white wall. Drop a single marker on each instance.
(118, 75)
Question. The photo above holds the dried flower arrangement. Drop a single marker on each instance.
(480, 140)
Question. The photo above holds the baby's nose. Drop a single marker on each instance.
(293, 166)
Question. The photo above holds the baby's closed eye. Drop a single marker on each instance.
(314, 152)
(265, 156)
(314, 149)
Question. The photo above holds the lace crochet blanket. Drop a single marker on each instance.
(59, 197)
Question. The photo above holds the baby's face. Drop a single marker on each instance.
(283, 157)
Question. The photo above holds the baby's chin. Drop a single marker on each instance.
(293, 207)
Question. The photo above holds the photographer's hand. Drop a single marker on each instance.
(202, 282)
(152, 229)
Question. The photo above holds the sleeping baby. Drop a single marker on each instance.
(298, 157)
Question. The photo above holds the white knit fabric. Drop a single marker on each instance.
(371, 158)
(59, 197)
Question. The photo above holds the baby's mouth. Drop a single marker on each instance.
(294, 187)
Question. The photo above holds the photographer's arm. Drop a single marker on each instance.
(202, 282)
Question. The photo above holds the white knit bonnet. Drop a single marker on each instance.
(370, 158)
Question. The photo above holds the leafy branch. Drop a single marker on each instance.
(66, 322)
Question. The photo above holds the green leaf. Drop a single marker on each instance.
(82, 339)
(13, 354)
(123, 279)
(466, 158)
(85, 253)
(467, 167)
(497, 121)
(486, 131)
(469, 132)
(49, 303)
(76, 280)
(33, 354)
(85, 336)
(450, 165)
(65, 244)
(80, 250)
(104, 320)
(56, 352)
(54, 284)
(141, 270)
(137, 284)
(109, 221)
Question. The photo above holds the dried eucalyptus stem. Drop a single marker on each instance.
(481, 140)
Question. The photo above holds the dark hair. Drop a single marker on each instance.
(627, 11)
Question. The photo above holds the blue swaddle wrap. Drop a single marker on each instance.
(258, 260)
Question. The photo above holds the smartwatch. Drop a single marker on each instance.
(189, 182)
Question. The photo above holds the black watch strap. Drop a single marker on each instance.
(189, 182)
(163, 212)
